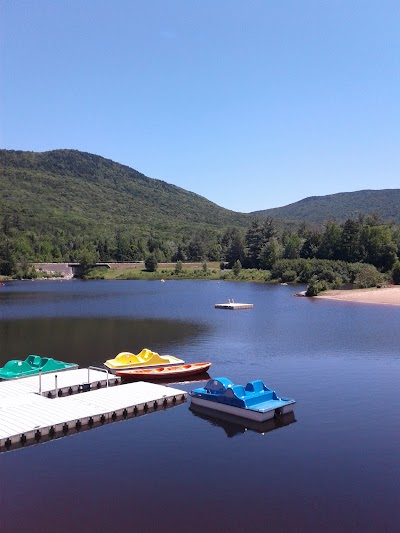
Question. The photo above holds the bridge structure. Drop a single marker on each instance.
(67, 270)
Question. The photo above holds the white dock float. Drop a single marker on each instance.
(53, 383)
(40, 418)
(234, 306)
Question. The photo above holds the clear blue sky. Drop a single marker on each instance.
(250, 103)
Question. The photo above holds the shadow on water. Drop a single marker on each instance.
(90, 340)
(234, 425)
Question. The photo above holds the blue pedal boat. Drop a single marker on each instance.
(255, 401)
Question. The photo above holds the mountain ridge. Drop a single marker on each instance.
(339, 207)
(63, 187)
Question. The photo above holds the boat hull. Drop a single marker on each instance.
(166, 372)
(250, 414)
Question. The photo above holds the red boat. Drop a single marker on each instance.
(163, 372)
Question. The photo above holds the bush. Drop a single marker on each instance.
(367, 276)
(151, 263)
(178, 267)
(289, 276)
(316, 286)
(396, 273)
(237, 267)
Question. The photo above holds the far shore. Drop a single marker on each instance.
(385, 295)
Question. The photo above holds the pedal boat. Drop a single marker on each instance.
(32, 365)
(146, 358)
(163, 372)
(254, 402)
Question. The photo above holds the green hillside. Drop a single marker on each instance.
(66, 205)
(339, 207)
(75, 191)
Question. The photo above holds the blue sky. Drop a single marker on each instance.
(250, 103)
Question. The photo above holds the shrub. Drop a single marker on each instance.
(237, 267)
(178, 267)
(289, 276)
(315, 286)
(396, 273)
(368, 276)
(151, 263)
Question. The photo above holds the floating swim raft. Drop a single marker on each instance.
(233, 306)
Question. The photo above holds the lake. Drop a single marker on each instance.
(333, 467)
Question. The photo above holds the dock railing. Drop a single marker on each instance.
(99, 369)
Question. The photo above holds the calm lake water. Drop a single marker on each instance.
(334, 467)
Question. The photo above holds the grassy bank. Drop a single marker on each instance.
(193, 272)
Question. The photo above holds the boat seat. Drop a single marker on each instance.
(239, 391)
(34, 360)
(255, 386)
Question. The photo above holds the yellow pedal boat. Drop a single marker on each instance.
(145, 358)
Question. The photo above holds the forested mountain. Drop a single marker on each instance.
(53, 203)
(339, 207)
(72, 190)
(67, 205)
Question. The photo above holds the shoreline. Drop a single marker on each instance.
(383, 296)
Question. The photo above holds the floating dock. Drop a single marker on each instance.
(31, 417)
(232, 305)
(63, 383)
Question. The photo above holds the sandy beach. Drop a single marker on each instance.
(386, 295)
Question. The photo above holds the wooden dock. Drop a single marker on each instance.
(31, 417)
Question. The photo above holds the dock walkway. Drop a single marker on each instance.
(30, 417)
(57, 383)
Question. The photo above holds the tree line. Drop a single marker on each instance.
(262, 245)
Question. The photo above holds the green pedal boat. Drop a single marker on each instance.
(32, 365)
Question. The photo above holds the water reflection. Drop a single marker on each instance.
(89, 341)
(234, 425)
